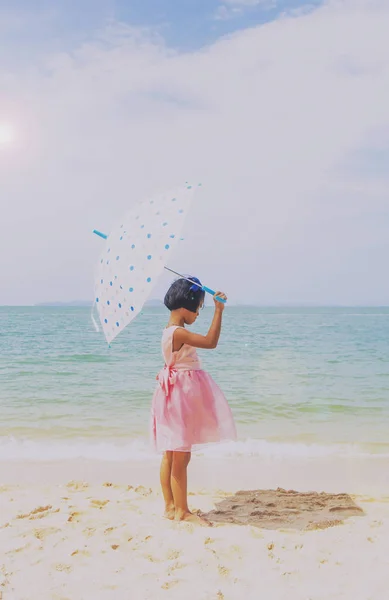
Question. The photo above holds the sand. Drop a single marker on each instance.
(103, 537)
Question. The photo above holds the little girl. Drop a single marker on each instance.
(188, 408)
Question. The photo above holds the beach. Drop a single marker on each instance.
(86, 529)
(299, 504)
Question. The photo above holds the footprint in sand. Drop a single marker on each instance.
(39, 513)
(63, 568)
(169, 584)
(74, 517)
(77, 486)
(173, 555)
(175, 567)
(42, 534)
(142, 491)
(99, 503)
(323, 525)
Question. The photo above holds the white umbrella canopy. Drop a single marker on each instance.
(134, 256)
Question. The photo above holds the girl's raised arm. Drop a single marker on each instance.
(183, 336)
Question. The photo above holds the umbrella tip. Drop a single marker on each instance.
(100, 234)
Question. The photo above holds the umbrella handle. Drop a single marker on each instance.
(209, 291)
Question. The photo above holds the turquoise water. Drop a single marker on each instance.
(300, 381)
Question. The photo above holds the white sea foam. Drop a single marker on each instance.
(12, 449)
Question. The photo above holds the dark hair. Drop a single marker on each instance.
(183, 294)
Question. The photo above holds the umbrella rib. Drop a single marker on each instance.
(182, 276)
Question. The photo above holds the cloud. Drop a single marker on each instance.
(229, 9)
(272, 120)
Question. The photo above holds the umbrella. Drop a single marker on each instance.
(134, 256)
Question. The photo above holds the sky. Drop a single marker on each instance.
(280, 109)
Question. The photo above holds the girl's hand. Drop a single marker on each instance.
(219, 305)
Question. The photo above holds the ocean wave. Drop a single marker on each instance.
(14, 449)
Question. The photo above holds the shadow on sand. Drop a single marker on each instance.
(285, 509)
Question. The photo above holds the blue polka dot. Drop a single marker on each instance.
(107, 262)
(167, 247)
(132, 268)
(101, 261)
(189, 187)
(164, 224)
(132, 308)
(174, 199)
(121, 237)
(97, 299)
(157, 213)
(119, 305)
(131, 289)
(133, 246)
(117, 323)
(109, 250)
(118, 258)
(105, 320)
(148, 279)
(110, 283)
(149, 257)
(108, 302)
(180, 211)
(102, 281)
(149, 235)
(172, 236)
(142, 226)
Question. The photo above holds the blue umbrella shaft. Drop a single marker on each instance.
(205, 288)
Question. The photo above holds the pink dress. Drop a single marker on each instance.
(188, 408)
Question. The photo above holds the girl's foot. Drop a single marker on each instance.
(169, 513)
(194, 518)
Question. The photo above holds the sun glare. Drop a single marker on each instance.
(6, 134)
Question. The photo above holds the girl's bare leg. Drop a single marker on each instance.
(165, 477)
(179, 486)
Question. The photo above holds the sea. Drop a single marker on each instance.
(303, 382)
